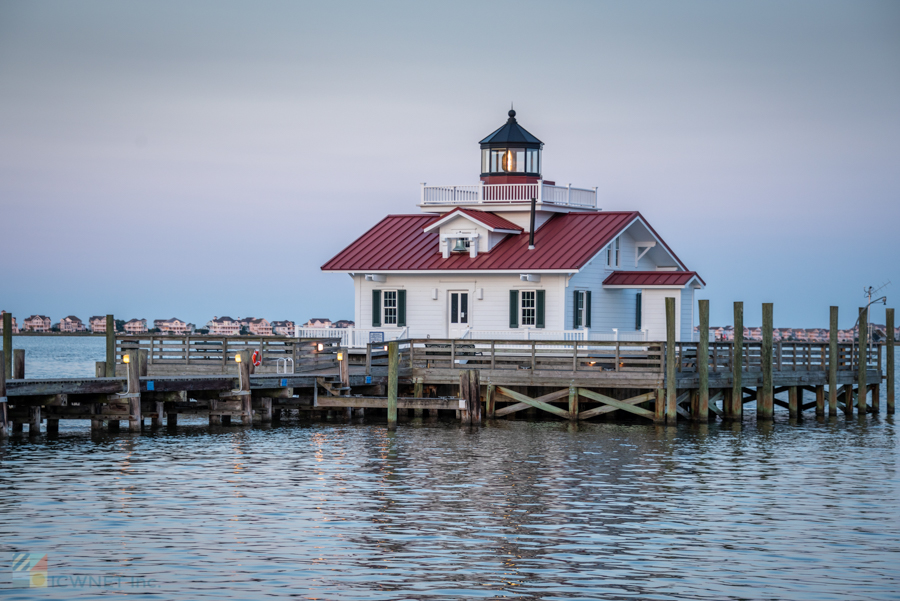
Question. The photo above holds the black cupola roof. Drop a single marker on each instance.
(511, 134)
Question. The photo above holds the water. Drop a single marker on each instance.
(61, 356)
(522, 510)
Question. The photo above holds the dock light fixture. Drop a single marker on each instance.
(340, 356)
(237, 358)
(385, 347)
(321, 347)
(126, 359)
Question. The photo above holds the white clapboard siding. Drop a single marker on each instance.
(426, 316)
(653, 313)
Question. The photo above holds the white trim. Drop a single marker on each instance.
(456, 213)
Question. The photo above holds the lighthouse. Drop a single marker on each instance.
(513, 256)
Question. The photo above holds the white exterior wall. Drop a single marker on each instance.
(653, 312)
(427, 317)
(687, 314)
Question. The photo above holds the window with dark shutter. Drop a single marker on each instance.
(376, 308)
(401, 308)
(539, 322)
(576, 309)
(587, 309)
(514, 308)
(637, 311)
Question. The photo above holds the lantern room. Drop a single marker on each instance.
(511, 155)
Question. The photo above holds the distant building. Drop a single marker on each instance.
(36, 323)
(224, 326)
(344, 324)
(97, 324)
(283, 328)
(172, 326)
(257, 326)
(318, 322)
(135, 326)
(15, 327)
(71, 324)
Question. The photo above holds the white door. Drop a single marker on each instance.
(459, 314)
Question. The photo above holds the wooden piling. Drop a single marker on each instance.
(470, 392)
(863, 360)
(765, 394)
(833, 362)
(18, 370)
(100, 369)
(671, 397)
(134, 388)
(734, 406)
(820, 400)
(4, 420)
(7, 343)
(110, 346)
(393, 382)
(266, 410)
(573, 403)
(156, 421)
(659, 415)
(490, 401)
(793, 401)
(703, 363)
(417, 393)
(889, 319)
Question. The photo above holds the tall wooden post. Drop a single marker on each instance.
(134, 388)
(863, 359)
(4, 420)
(671, 398)
(703, 363)
(659, 415)
(765, 394)
(833, 362)
(18, 372)
(470, 391)
(7, 342)
(393, 380)
(110, 347)
(889, 319)
(735, 407)
(246, 399)
(820, 400)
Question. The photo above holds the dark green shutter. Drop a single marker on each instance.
(376, 308)
(637, 313)
(539, 306)
(401, 308)
(587, 309)
(576, 314)
(514, 308)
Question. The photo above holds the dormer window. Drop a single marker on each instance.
(613, 254)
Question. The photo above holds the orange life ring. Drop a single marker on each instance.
(256, 359)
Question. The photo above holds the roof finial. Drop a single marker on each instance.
(512, 112)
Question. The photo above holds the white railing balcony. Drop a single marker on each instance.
(354, 337)
(542, 192)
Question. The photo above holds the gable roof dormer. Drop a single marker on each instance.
(470, 231)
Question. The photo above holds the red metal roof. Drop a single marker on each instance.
(565, 241)
(639, 279)
(491, 220)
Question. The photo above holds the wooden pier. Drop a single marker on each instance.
(151, 379)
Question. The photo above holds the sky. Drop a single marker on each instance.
(198, 159)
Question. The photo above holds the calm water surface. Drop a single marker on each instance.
(524, 510)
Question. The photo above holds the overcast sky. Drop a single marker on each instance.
(193, 159)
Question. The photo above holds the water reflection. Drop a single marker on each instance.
(791, 509)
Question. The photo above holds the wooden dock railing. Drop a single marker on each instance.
(214, 354)
(612, 356)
